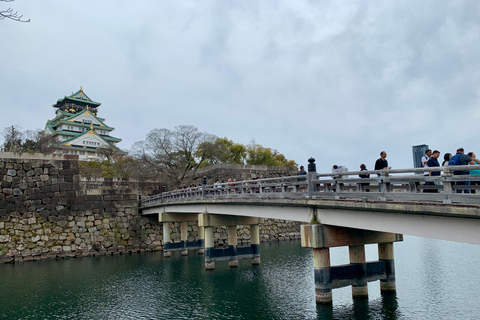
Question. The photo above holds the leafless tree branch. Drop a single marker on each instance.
(10, 14)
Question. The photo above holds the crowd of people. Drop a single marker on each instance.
(429, 160)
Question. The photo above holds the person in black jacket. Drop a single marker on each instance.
(365, 175)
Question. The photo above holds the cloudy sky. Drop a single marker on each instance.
(336, 80)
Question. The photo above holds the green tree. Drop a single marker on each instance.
(222, 150)
(259, 155)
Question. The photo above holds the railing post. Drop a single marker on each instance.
(384, 184)
(447, 185)
(312, 169)
(204, 184)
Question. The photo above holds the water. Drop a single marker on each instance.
(435, 280)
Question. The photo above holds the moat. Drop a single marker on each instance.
(435, 280)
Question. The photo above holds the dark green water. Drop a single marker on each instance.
(435, 280)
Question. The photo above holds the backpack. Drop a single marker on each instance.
(455, 161)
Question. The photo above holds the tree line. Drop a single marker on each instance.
(172, 156)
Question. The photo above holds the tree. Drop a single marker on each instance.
(174, 154)
(222, 150)
(33, 141)
(13, 139)
(259, 155)
(38, 141)
(10, 14)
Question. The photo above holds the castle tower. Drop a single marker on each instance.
(78, 129)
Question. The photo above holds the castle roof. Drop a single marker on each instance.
(77, 97)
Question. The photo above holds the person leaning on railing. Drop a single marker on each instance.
(474, 172)
(433, 162)
(461, 159)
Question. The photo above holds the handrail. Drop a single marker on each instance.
(384, 185)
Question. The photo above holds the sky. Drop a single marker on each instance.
(336, 80)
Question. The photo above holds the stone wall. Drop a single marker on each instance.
(48, 211)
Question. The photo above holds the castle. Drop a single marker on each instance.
(78, 130)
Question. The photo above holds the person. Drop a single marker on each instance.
(474, 172)
(461, 159)
(381, 164)
(446, 158)
(302, 172)
(334, 183)
(428, 154)
(433, 162)
(363, 167)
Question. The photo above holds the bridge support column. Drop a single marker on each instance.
(201, 240)
(184, 237)
(357, 257)
(321, 237)
(321, 271)
(209, 249)
(166, 240)
(255, 239)
(233, 252)
(385, 253)
(232, 244)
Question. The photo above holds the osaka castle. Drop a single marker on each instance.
(78, 129)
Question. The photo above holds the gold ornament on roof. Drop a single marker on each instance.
(91, 126)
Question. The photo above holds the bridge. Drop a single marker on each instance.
(339, 209)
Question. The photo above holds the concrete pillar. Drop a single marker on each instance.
(166, 239)
(232, 245)
(184, 237)
(385, 253)
(323, 281)
(357, 257)
(255, 238)
(209, 249)
(201, 240)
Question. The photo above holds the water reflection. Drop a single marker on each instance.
(431, 281)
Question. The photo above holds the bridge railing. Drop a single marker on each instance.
(382, 185)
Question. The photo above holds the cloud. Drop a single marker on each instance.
(337, 81)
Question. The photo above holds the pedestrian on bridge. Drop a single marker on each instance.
(381, 164)
(461, 159)
(474, 172)
(364, 186)
(433, 162)
(446, 158)
(302, 172)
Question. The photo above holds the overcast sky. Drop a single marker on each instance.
(336, 80)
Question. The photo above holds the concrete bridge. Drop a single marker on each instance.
(339, 209)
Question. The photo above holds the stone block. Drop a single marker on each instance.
(11, 172)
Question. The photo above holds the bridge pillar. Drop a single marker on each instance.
(201, 240)
(255, 242)
(321, 271)
(166, 240)
(184, 237)
(232, 244)
(321, 237)
(357, 256)
(385, 253)
(209, 249)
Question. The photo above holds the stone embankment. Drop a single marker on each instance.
(47, 211)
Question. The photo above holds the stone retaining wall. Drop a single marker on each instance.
(47, 212)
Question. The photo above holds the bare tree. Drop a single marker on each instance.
(174, 154)
(13, 139)
(38, 141)
(10, 14)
